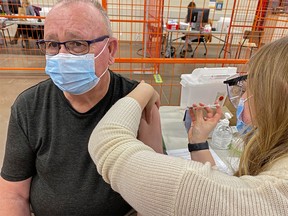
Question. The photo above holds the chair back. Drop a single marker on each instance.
(253, 36)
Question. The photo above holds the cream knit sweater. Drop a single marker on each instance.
(156, 184)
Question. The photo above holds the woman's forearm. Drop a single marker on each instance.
(202, 156)
(142, 94)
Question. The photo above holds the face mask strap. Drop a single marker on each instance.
(104, 72)
(102, 49)
(244, 100)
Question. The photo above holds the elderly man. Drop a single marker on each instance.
(46, 162)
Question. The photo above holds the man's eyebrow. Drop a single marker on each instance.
(73, 36)
(68, 35)
(51, 37)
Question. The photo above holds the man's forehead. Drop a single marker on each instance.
(69, 29)
(77, 5)
(77, 12)
(74, 20)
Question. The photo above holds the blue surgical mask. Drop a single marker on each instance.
(73, 74)
(241, 126)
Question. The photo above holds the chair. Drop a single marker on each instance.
(250, 40)
(198, 40)
(3, 29)
(30, 31)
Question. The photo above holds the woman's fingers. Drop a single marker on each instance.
(196, 111)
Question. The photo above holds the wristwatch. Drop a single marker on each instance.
(198, 146)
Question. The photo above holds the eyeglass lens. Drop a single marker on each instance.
(235, 92)
(73, 47)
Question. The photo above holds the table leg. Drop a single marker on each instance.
(226, 46)
(4, 37)
(169, 45)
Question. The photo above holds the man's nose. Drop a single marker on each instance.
(62, 48)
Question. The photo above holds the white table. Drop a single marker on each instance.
(29, 21)
(215, 34)
(175, 139)
(31, 27)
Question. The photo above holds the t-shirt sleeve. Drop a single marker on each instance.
(19, 158)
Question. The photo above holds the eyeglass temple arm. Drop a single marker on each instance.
(234, 81)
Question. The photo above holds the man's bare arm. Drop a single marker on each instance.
(150, 134)
(14, 197)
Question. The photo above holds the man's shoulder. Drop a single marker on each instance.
(120, 81)
(37, 92)
(37, 88)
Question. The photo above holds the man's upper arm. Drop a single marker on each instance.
(14, 197)
(150, 134)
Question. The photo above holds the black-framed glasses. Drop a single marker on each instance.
(75, 47)
(236, 87)
(233, 80)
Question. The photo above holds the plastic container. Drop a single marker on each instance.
(205, 85)
(223, 24)
(172, 25)
(184, 26)
(222, 135)
(207, 28)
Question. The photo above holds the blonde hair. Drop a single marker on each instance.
(97, 5)
(268, 83)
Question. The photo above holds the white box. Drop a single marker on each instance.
(184, 26)
(223, 24)
(205, 85)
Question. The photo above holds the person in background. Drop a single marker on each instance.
(190, 8)
(5, 7)
(184, 187)
(24, 29)
(187, 38)
(14, 5)
(47, 164)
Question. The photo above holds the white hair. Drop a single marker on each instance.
(98, 6)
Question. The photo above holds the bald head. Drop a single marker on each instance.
(91, 4)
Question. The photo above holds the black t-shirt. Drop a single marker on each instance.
(48, 140)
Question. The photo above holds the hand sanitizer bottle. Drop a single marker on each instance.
(222, 135)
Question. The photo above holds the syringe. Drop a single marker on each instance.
(206, 106)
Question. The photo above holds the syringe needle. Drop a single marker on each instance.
(206, 106)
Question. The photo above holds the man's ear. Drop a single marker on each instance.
(113, 46)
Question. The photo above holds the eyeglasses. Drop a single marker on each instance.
(236, 87)
(75, 47)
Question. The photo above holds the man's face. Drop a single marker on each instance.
(78, 21)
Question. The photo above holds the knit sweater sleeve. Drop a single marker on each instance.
(156, 184)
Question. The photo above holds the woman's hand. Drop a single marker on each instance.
(201, 125)
(147, 97)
